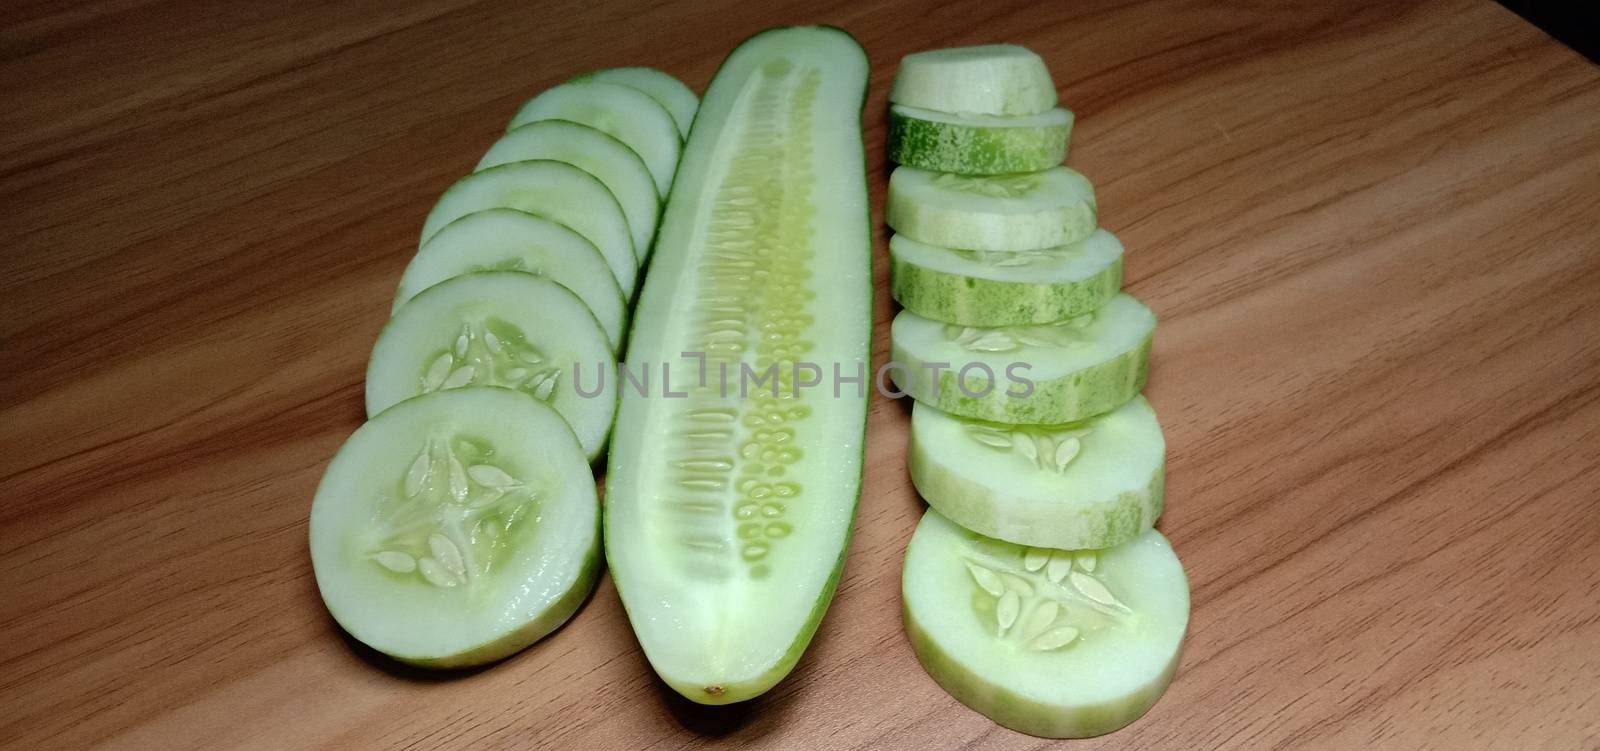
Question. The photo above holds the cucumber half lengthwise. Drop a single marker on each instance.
(1005, 288)
(1027, 375)
(1054, 643)
(727, 516)
(456, 528)
(1089, 484)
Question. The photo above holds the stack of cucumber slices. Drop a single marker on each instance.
(1036, 589)
(461, 522)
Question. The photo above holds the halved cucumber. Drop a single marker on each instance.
(727, 516)
(978, 144)
(555, 190)
(596, 153)
(1089, 484)
(1008, 212)
(678, 99)
(500, 328)
(456, 528)
(1052, 643)
(1027, 375)
(625, 113)
(991, 79)
(1005, 288)
(512, 240)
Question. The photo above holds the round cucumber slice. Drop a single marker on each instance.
(500, 328)
(1052, 643)
(990, 79)
(1005, 288)
(511, 240)
(1027, 375)
(1089, 484)
(1030, 211)
(456, 528)
(978, 144)
(554, 190)
(596, 153)
(678, 99)
(623, 112)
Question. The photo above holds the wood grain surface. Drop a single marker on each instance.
(1372, 232)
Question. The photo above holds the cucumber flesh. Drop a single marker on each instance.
(727, 518)
(1078, 368)
(1005, 288)
(500, 328)
(978, 144)
(456, 528)
(1030, 211)
(609, 160)
(1091, 484)
(678, 99)
(623, 112)
(511, 240)
(1052, 643)
(554, 190)
(991, 79)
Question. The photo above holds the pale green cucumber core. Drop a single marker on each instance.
(623, 112)
(1055, 643)
(727, 515)
(990, 79)
(669, 92)
(456, 528)
(1089, 484)
(1006, 212)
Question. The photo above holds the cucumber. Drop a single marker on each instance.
(511, 240)
(727, 518)
(991, 79)
(456, 528)
(500, 328)
(623, 112)
(1005, 288)
(1089, 484)
(978, 144)
(596, 153)
(554, 190)
(1028, 375)
(679, 100)
(1030, 211)
(1051, 643)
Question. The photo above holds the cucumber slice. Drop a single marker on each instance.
(1090, 484)
(1051, 643)
(500, 328)
(678, 99)
(511, 240)
(1004, 288)
(596, 153)
(623, 112)
(554, 190)
(456, 528)
(727, 518)
(978, 144)
(991, 79)
(1031, 211)
(1028, 375)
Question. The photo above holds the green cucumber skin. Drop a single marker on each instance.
(1075, 396)
(975, 150)
(1020, 713)
(972, 505)
(975, 301)
(737, 691)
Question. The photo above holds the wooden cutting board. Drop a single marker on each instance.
(1372, 232)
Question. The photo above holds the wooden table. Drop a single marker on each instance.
(1372, 232)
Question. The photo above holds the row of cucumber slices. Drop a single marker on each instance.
(1036, 590)
(461, 523)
